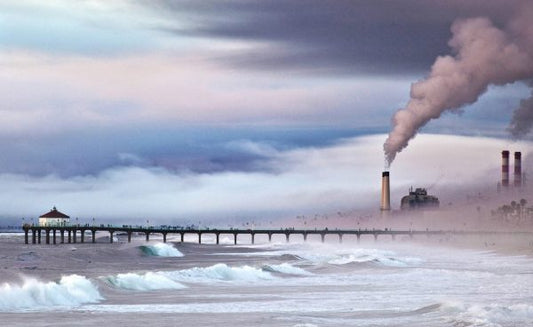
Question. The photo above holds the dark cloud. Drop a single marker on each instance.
(340, 37)
(198, 149)
(522, 120)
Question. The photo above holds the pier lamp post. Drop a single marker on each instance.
(77, 224)
(93, 222)
(32, 221)
(22, 221)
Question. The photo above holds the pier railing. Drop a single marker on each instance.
(69, 234)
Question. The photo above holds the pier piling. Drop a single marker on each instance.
(37, 231)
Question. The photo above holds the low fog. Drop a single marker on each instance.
(341, 178)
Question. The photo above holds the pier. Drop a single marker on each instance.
(78, 234)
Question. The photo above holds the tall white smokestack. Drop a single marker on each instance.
(385, 191)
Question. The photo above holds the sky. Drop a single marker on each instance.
(191, 110)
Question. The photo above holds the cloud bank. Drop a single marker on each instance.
(340, 177)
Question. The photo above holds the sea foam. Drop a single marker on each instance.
(488, 315)
(71, 290)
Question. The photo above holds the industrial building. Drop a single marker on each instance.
(416, 199)
(419, 199)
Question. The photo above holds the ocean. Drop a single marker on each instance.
(297, 284)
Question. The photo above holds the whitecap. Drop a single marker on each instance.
(143, 282)
(161, 250)
(286, 268)
(71, 290)
(220, 272)
(361, 255)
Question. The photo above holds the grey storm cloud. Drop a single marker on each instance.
(338, 37)
(198, 149)
(522, 120)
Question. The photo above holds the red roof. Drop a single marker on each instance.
(54, 214)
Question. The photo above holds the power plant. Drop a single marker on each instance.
(517, 172)
(419, 199)
(416, 199)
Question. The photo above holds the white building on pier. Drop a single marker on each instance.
(54, 218)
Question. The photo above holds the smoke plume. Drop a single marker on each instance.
(522, 120)
(483, 55)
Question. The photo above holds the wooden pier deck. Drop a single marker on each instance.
(75, 234)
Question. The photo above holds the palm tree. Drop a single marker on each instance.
(506, 209)
(523, 203)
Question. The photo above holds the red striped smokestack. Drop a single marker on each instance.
(385, 192)
(517, 169)
(505, 168)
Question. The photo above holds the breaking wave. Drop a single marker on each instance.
(71, 290)
(220, 272)
(358, 256)
(286, 268)
(149, 281)
(161, 250)
(325, 254)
